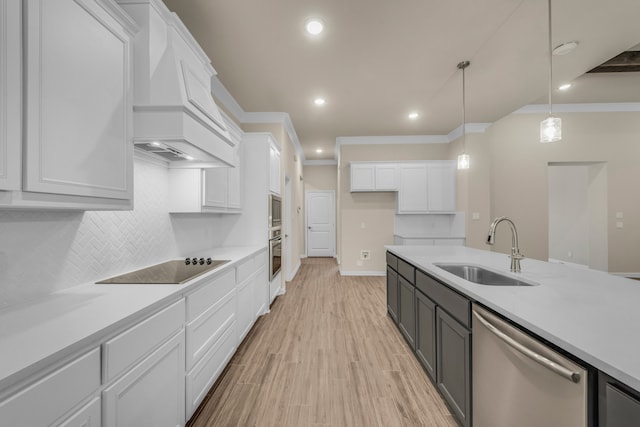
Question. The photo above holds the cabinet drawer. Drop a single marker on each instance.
(451, 301)
(209, 294)
(407, 271)
(392, 261)
(203, 332)
(200, 379)
(88, 416)
(50, 398)
(132, 345)
(245, 269)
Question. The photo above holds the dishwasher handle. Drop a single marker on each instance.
(549, 364)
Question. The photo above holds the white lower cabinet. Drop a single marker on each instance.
(51, 398)
(157, 370)
(211, 335)
(253, 292)
(152, 393)
(89, 415)
(205, 373)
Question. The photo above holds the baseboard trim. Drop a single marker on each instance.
(628, 275)
(362, 273)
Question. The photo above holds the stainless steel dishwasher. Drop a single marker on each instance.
(518, 381)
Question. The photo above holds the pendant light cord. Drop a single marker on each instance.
(462, 65)
(550, 63)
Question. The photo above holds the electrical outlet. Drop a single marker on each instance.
(359, 263)
(365, 255)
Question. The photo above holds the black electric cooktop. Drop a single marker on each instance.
(173, 272)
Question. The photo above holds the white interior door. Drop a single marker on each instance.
(321, 223)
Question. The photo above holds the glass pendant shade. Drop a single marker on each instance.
(550, 129)
(463, 161)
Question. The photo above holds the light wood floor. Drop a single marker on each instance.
(326, 355)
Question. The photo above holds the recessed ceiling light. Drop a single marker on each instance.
(319, 101)
(565, 48)
(314, 26)
(564, 86)
(318, 150)
(413, 115)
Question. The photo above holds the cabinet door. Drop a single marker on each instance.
(152, 393)
(392, 294)
(426, 333)
(453, 365)
(617, 407)
(407, 311)
(362, 177)
(78, 100)
(234, 196)
(412, 192)
(215, 187)
(274, 169)
(10, 94)
(246, 307)
(386, 177)
(441, 187)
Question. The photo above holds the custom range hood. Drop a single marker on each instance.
(175, 116)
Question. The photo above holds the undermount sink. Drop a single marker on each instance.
(482, 276)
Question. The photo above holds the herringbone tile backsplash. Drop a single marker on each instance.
(45, 251)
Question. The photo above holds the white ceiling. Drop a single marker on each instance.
(378, 59)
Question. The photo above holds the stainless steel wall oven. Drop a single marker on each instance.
(275, 252)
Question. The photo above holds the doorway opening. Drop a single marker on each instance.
(578, 232)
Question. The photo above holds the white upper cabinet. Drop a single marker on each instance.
(78, 99)
(274, 169)
(412, 194)
(427, 187)
(362, 177)
(10, 94)
(210, 190)
(386, 177)
(374, 176)
(66, 113)
(441, 187)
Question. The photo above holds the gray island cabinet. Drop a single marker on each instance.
(433, 313)
(435, 322)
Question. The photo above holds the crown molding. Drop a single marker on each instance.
(601, 107)
(223, 95)
(320, 163)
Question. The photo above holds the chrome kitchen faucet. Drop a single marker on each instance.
(516, 256)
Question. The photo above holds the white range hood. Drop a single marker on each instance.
(175, 116)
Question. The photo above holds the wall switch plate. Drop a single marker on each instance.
(365, 255)
(362, 225)
(619, 224)
(619, 215)
(475, 216)
(359, 263)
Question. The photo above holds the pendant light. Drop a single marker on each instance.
(463, 159)
(551, 127)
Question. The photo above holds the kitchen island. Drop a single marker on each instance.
(588, 314)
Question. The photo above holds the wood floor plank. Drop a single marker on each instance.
(326, 355)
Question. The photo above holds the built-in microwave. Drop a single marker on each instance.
(275, 211)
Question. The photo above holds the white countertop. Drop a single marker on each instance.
(35, 333)
(590, 314)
